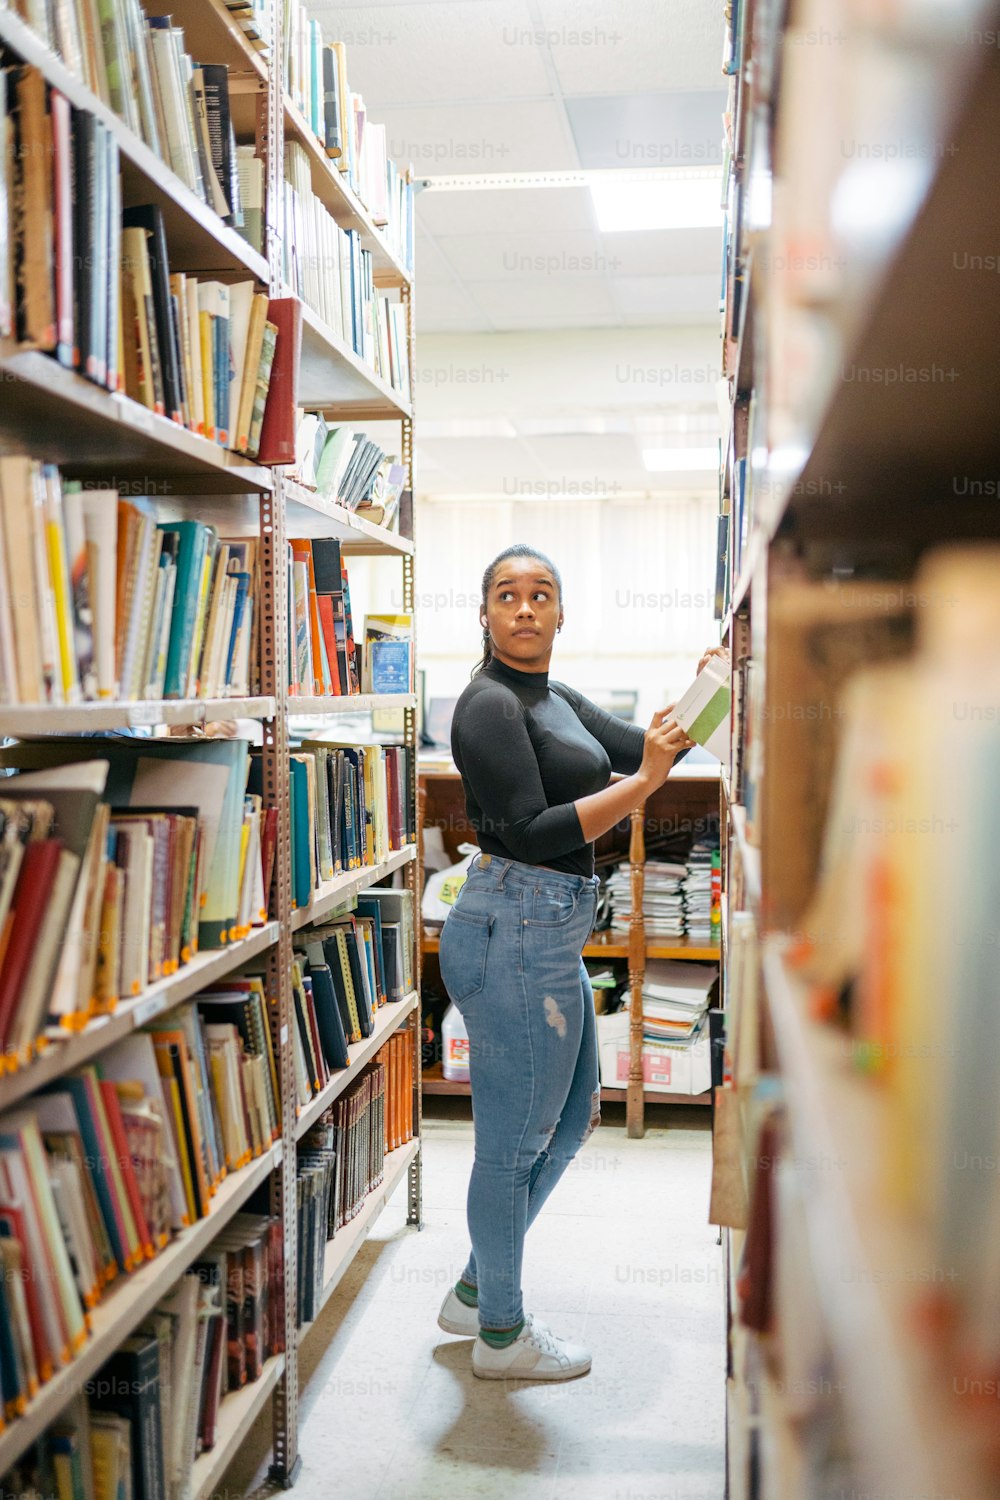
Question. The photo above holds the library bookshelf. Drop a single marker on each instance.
(55, 415)
(850, 1360)
(687, 803)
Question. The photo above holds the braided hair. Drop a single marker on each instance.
(519, 549)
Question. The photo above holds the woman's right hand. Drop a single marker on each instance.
(665, 739)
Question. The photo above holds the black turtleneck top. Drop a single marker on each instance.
(527, 749)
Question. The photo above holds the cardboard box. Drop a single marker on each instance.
(666, 1069)
(703, 710)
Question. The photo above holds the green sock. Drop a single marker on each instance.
(467, 1293)
(499, 1338)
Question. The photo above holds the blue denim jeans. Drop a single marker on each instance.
(511, 962)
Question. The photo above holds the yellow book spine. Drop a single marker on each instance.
(207, 371)
(64, 628)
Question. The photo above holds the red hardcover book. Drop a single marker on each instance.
(277, 434)
(31, 896)
(310, 1011)
(112, 1108)
(12, 1219)
(62, 143)
(302, 551)
(392, 797)
(268, 848)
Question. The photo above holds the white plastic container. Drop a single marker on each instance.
(454, 1047)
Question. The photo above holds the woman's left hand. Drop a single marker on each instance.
(713, 651)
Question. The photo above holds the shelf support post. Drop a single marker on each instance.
(414, 870)
(634, 1115)
(274, 671)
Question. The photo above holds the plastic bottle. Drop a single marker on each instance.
(455, 1047)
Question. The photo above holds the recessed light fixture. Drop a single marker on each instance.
(624, 198)
(666, 201)
(680, 460)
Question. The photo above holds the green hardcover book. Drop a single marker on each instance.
(263, 382)
(192, 543)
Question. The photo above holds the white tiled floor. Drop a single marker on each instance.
(621, 1258)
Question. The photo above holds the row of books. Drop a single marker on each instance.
(111, 604)
(898, 948)
(116, 871)
(316, 74)
(104, 1166)
(334, 275)
(254, 19)
(98, 903)
(349, 808)
(137, 65)
(92, 283)
(140, 1422)
(325, 658)
(747, 741)
(348, 468)
(341, 1158)
(344, 972)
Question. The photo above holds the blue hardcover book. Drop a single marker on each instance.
(370, 908)
(192, 541)
(301, 875)
(390, 666)
(239, 610)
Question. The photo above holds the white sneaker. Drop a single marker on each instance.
(536, 1354)
(458, 1317)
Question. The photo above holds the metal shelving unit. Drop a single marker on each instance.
(92, 434)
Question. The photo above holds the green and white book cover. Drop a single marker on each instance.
(703, 710)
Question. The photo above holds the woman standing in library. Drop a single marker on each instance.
(535, 759)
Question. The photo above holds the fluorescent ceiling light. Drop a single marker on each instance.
(572, 426)
(680, 460)
(468, 427)
(669, 423)
(668, 203)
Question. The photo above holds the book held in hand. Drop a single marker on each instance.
(703, 710)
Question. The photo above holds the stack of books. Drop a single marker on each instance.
(662, 903)
(98, 903)
(254, 19)
(325, 658)
(344, 972)
(112, 604)
(138, 67)
(89, 282)
(341, 1158)
(696, 892)
(153, 1407)
(317, 1186)
(317, 83)
(328, 268)
(348, 468)
(104, 1166)
(160, 831)
(349, 809)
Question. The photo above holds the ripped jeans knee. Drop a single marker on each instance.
(595, 1115)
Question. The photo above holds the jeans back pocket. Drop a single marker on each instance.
(465, 941)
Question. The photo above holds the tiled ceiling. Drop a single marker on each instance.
(500, 86)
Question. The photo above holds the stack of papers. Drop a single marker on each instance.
(696, 891)
(675, 999)
(662, 904)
